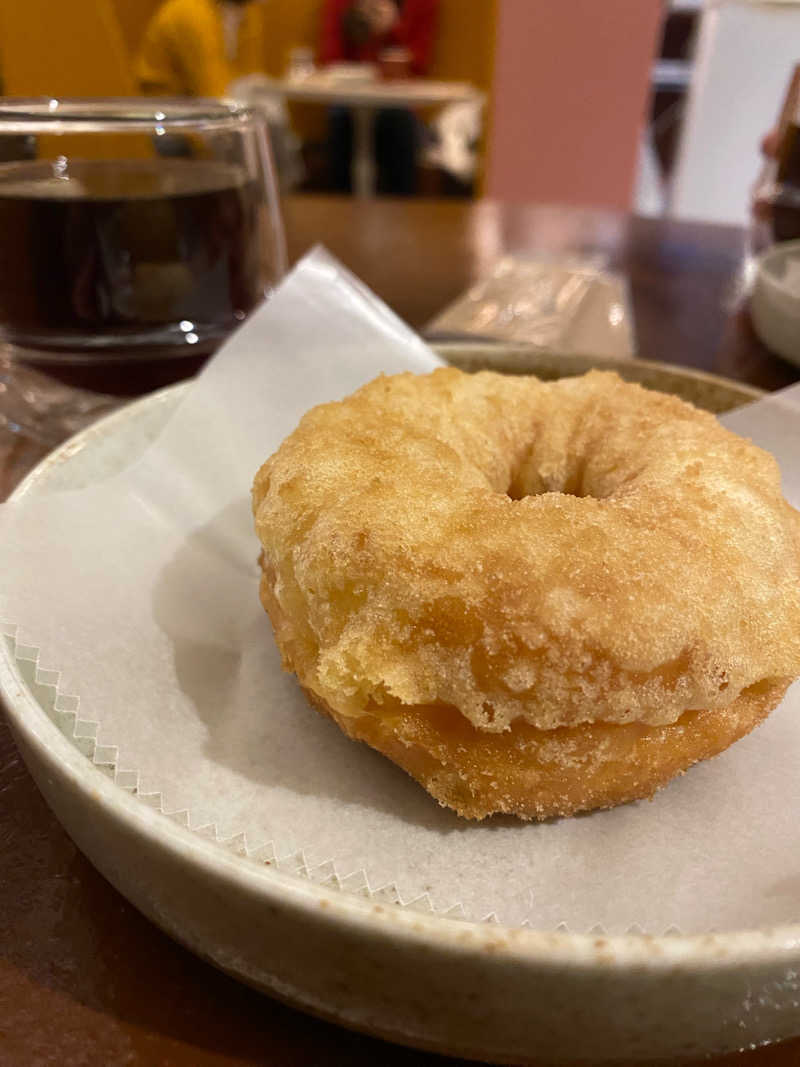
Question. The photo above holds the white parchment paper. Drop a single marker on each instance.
(142, 592)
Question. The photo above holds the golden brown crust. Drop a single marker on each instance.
(549, 560)
(539, 774)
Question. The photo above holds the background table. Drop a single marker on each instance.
(364, 99)
(84, 979)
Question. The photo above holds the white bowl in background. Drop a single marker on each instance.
(775, 301)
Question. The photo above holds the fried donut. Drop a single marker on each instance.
(536, 598)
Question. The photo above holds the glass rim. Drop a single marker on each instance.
(120, 114)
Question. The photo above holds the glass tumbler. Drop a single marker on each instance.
(135, 235)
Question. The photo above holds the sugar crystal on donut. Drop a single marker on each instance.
(536, 598)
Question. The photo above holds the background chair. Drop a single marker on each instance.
(72, 49)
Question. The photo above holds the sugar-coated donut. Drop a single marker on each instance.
(537, 598)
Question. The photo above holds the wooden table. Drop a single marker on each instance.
(84, 979)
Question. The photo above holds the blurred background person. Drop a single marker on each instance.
(215, 48)
(359, 31)
(201, 47)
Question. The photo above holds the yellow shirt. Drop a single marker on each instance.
(184, 50)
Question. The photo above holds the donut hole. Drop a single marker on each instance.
(563, 467)
(583, 477)
(530, 482)
(516, 492)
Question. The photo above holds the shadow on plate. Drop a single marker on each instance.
(258, 722)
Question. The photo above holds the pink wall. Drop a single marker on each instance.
(571, 87)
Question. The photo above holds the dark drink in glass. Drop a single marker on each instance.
(122, 274)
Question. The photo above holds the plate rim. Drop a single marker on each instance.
(446, 347)
(716, 951)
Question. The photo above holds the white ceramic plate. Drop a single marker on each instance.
(470, 989)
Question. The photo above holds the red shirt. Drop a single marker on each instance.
(415, 30)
